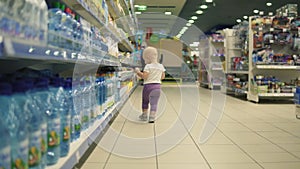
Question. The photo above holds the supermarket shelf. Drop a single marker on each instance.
(218, 41)
(78, 147)
(83, 11)
(16, 49)
(236, 90)
(204, 83)
(216, 84)
(287, 67)
(276, 94)
(217, 68)
(237, 72)
(218, 55)
(235, 48)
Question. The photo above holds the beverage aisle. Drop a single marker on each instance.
(249, 135)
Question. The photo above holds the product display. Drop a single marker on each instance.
(212, 55)
(273, 46)
(46, 112)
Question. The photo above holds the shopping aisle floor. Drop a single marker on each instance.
(248, 136)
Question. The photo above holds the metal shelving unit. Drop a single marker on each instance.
(16, 54)
(233, 49)
(211, 69)
(284, 71)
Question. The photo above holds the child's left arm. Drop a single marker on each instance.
(143, 75)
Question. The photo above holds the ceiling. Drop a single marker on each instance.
(218, 15)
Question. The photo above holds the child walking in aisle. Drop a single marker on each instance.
(152, 74)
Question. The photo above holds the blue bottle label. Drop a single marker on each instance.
(5, 158)
(44, 138)
(20, 160)
(34, 155)
(53, 133)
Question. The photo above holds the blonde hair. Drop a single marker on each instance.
(150, 55)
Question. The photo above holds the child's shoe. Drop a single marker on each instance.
(151, 119)
(143, 117)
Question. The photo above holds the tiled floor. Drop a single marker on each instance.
(247, 136)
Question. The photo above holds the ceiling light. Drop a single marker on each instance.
(261, 12)
(270, 13)
(197, 49)
(194, 17)
(238, 20)
(185, 28)
(191, 21)
(203, 6)
(182, 31)
(142, 7)
(168, 13)
(255, 11)
(137, 12)
(199, 12)
(188, 24)
(136, 6)
(245, 17)
(269, 4)
(209, 1)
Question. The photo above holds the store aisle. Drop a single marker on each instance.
(249, 135)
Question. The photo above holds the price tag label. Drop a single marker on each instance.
(271, 41)
(284, 30)
(271, 29)
(260, 28)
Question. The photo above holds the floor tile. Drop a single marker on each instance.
(236, 166)
(130, 166)
(262, 148)
(274, 157)
(183, 165)
(288, 165)
(233, 127)
(99, 155)
(246, 138)
(120, 159)
(227, 157)
(220, 149)
(291, 147)
(89, 165)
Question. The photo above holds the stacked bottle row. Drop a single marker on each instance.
(58, 26)
(70, 31)
(25, 19)
(41, 115)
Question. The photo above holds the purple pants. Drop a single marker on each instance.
(151, 94)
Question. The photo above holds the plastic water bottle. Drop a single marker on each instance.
(54, 25)
(10, 23)
(75, 116)
(35, 132)
(65, 121)
(67, 27)
(85, 113)
(53, 124)
(42, 98)
(43, 21)
(5, 108)
(19, 127)
(94, 97)
(104, 95)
